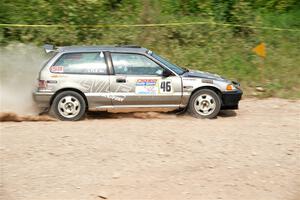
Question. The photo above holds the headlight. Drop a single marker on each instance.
(230, 87)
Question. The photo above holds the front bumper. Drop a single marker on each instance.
(230, 99)
(42, 98)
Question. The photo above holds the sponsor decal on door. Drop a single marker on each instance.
(146, 86)
(153, 86)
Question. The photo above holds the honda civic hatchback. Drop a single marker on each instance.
(81, 78)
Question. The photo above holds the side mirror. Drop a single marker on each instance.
(166, 73)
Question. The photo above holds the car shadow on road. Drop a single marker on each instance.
(137, 115)
(227, 113)
(149, 115)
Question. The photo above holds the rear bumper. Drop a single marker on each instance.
(230, 100)
(42, 99)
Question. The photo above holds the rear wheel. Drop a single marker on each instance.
(68, 106)
(204, 103)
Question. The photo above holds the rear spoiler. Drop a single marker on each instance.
(49, 48)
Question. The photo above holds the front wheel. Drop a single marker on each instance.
(204, 103)
(68, 106)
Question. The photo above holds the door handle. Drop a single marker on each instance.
(121, 80)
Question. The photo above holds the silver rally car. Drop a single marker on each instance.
(80, 78)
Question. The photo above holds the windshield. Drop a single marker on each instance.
(173, 67)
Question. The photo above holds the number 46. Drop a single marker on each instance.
(165, 86)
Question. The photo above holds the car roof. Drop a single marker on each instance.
(126, 48)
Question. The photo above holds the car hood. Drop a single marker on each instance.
(201, 74)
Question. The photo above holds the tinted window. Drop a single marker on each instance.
(85, 63)
(134, 64)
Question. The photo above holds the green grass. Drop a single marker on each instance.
(212, 48)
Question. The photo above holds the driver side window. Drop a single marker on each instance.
(135, 64)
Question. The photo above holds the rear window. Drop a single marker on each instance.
(81, 63)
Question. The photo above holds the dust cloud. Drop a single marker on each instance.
(19, 68)
(13, 117)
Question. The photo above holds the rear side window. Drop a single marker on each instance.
(81, 63)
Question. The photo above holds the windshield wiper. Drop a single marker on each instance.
(185, 70)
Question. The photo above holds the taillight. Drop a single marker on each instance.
(42, 84)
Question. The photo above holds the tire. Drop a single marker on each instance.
(204, 103)
(68, 106)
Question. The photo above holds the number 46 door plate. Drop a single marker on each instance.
(165, 86)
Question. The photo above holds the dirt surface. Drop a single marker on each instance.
(250, 154)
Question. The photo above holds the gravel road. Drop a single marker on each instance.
(250, 154)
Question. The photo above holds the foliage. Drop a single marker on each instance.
(226, 50)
